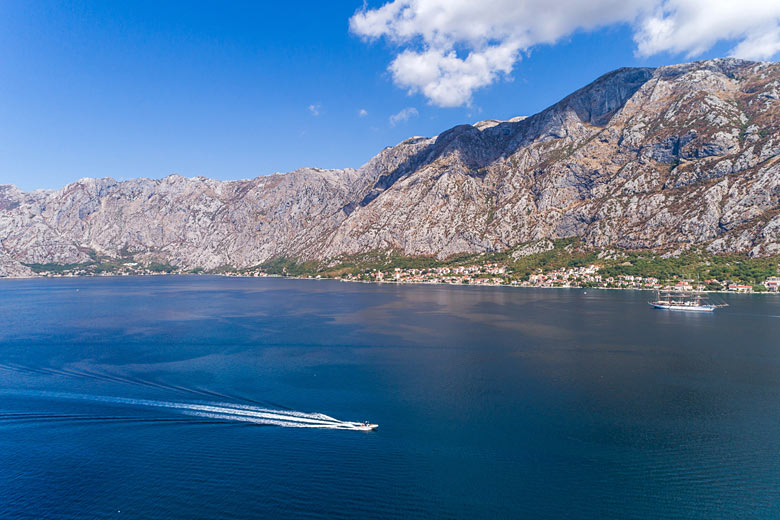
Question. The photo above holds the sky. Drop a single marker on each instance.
(234, 90)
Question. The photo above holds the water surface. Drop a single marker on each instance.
(183, 397)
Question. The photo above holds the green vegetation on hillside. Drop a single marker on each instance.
(102, 265)
(695, 265)
(56, 268)
(565, 254)
(712, 270)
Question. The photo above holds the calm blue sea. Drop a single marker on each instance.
(207, 397)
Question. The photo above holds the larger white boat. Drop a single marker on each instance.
(683, 301)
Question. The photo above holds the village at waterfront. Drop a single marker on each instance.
(479, 274)
(575, 277)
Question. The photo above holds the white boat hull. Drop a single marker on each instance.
(688, 308)
(364, 427)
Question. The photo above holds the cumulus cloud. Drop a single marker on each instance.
(403, 116)
(447, 49)
(315, 109)
(362, 112)
(692, 27)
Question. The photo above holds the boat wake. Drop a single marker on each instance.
(102, 376)
(219, 411)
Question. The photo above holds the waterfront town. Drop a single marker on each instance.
(490, 274)
(574, 277)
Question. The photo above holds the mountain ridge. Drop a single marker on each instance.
(660, 159)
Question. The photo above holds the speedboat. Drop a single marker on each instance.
(365, 426)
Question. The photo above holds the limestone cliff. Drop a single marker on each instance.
(660, 159)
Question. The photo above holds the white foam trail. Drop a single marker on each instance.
(222, 411)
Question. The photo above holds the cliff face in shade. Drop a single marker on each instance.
(659, 159)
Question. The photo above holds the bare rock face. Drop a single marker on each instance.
(10, 268)
(660, 159)
(641, 159)
(532, 248)
(186, 222)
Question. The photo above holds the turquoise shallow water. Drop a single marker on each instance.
(183, 397)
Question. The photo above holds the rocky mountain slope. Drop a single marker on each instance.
(660, 159)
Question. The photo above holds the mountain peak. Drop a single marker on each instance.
(657, 159)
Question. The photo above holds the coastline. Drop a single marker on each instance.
(377, 282)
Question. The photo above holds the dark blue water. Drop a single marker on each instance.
(492, 403)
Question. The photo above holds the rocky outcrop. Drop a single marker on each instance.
(660, 159)
(10, 268)
(187, 222)
(640, 159)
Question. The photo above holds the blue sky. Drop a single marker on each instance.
(239, 89)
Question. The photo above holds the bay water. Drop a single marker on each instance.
(179, 397)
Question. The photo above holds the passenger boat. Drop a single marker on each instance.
(683, 301)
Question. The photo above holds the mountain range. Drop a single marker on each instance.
(659, 159)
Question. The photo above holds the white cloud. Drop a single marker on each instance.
(448, 80)
(447, 49)
(692, 27)
(403, 116)
(759, 44)
(362, 112)
(315, 109)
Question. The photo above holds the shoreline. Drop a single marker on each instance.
(378, 282)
